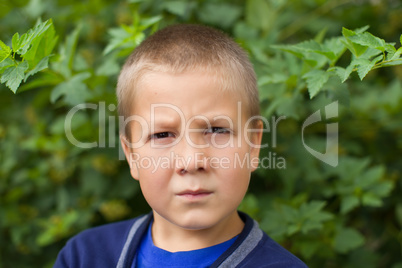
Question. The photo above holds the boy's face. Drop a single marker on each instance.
(190, 150)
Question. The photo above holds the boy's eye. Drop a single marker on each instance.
(161, 135)
(217, 130)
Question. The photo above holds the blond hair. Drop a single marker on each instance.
(185, 47)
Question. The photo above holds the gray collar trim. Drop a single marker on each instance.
(245, 248)
(233, 260)
(129, 239)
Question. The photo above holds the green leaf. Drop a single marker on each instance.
(349, 167)
(308, 248)
(290, 48)
(362, 29)
(348, 239)
(73, 90)
(364, 65)
(43, 64)
(259, 14)
(313, 215)
(14, 75)
(382, 188)
(49, 79)
(126, 38)
(5, 51)
(109, 66)
(368, 40)
(370, 176)
(370, 199)
(292, 229)
(356, 49)
(272, 79)
(289, 105)
(15, 41)
(290, 214)
(22, 44)
(342, 72)
(321, 35)
(390, 48)
(310, 51)
(348, 203)
(67, 53)
(315, 80)
(335, 46)
(35, 8)
(178, 8)
(41, 46)
(273, 222)
(397, 54)
(52, 229)
(119, 38)
(148, 22)
(123, 38)
(5, 64)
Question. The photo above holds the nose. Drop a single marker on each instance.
(191, 157)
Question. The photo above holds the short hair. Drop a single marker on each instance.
(189, 47)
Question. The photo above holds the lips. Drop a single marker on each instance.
(193, 195)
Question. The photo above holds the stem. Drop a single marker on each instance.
(13, 57)
(379, 65)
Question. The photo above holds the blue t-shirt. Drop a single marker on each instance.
(148, 255)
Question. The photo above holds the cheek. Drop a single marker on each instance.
(234, 190)
(154, 174)
(152, 162)
(235, 170)
(232, 160)
(153, 188)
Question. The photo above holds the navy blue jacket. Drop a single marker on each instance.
(115, 245)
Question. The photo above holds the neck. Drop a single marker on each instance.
(173, 238)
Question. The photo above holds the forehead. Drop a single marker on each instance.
(220, 78)
(189, 93)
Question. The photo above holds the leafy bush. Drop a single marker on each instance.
(344, 214)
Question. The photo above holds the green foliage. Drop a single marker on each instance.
(34, 47)
(126, 38)
(348, 239)
(369, 52)
(305, 56)
(288, 220)
(5, 51)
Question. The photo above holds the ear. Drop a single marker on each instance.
(255, 139)
(130, 157)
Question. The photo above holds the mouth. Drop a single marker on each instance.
(194, 195)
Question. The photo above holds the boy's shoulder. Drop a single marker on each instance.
(254, 248)
(268, 253)
(100, 246)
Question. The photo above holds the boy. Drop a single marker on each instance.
(190, 102)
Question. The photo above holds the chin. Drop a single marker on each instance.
(197, 221)
(196, 226)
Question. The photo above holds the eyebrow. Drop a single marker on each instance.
(165, 121)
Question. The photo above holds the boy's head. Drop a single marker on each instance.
(184, 48)
(190, 92)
